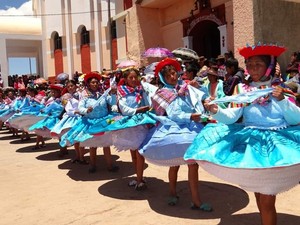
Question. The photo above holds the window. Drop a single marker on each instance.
(57, 42)
(85, 36)
(113, 30)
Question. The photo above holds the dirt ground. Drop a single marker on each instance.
(38, 187)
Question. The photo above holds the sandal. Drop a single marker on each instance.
(205, 207)
(113, 169)
(132, 183)
(173, 200)
(141, 186)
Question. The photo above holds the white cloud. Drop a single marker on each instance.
(25, 9)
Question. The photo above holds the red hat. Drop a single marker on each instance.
(259, 49)
(92, 75)
(56, 86)
(165, 62)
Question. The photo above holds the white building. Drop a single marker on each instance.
(75, 35)
(20, 37)
(81, 35)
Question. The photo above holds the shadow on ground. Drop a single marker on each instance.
(253, 218)
(9, 137)
(224, 198)
(32, 140)
(79, 172)
(48, 147)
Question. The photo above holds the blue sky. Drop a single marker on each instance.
(4, 4)
(22, 66)
(17, 65)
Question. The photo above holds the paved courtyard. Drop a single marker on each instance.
(38, 187)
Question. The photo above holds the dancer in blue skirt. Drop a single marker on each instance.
(179, 110)
(261, 153)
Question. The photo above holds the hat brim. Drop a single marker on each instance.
(56, 87)
(92, 75)
(272, 50)
(166, 62)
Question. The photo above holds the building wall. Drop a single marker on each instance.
(172, 35)
(85, 19)
(105, 48)
(152, 27)
(230, 25)
(76, 52)
(254, 22)
(279, 25)
(176, 12)
(69, 25)
(54, 22)
(49, 58)
(243, 26)
(121, 42)
(142, 32)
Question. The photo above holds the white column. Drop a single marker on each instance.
(69, 39)
(44, 42)
(98, 40)
(40, 63)
(188, 42)
(4, 62)
(223, 39)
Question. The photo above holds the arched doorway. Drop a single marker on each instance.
(203, 31)
(206, 39)
(58, 53)
(85, 50)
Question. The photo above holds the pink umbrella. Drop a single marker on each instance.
(40, 81)
(157, 53)
(127, 63)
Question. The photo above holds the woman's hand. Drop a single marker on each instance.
(143, 109)
(194, 83)
(89, 109)
(196, 117)
(113, 91)
(213, 108)
(278, 93)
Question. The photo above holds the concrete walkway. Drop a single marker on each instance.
(38, 187)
